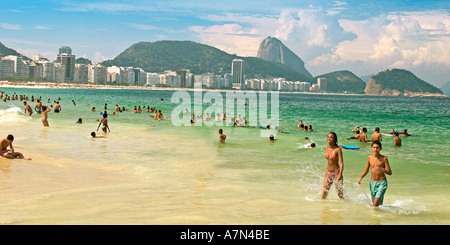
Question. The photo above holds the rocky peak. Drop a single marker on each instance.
(272, 49)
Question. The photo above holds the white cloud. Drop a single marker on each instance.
(10, 26)
(98, 57)
(419, 42)
(39, 27)
(144, 27)
(231, 38)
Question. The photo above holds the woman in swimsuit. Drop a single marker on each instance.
(44, 118)
(335, 166)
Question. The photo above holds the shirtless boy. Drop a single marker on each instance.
(379, 167)
(363, 136)
(376, 136)
(222, 137)
(38, 106)
(4, 149)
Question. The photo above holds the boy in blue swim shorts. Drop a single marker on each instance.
(379, 167)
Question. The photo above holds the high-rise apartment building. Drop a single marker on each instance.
(322, 82)
(65, 50)
(66, 58)
(237, 71)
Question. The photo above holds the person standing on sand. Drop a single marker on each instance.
(4, 149)
(44, 118)
(27, 109)
(379, 167)
(335, 166)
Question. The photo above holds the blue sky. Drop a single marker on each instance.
(365, 37)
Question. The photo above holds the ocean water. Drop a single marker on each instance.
(152, 172)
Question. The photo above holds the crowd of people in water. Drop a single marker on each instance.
(376, 163)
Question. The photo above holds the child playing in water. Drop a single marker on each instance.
(379, 167)
(222, 137)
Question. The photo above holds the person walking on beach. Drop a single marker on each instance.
(335, 166)
(44, 119)
(27, 109)
(4, 149)
(376, 136)
(222, 136)
(379, 167)
(105, 123)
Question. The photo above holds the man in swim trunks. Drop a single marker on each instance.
(379, 167)
(356, 136)
(57, 107)
(28, 108)
(38, 107)
(4, 149)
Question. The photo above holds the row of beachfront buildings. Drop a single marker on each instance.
(64, 69)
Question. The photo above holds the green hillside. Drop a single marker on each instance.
(198, 58)
(400, 80)
(343, 81)
(8, 51)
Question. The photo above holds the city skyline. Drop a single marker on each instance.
(363, 37)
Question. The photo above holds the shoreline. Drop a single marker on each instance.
(98, 86)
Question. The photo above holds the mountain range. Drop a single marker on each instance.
(198, 58)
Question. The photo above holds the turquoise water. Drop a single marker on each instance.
(152, 172)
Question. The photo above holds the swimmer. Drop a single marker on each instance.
(44, 118)
(93, 109)
(405, 133)
(4, 149)
(300, 125)
(376, 136)
(397, 140)
(57, 107)
(308, 146)
(94, 135)
(356, 136)
(335, 166)
(379, 167)
(222, 136)
(271, 139)
(79, 121)
(105, 123)
(38, 107)
(27, 109)
(363, 136)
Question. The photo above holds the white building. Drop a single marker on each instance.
(322, 83)
(97, 74)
